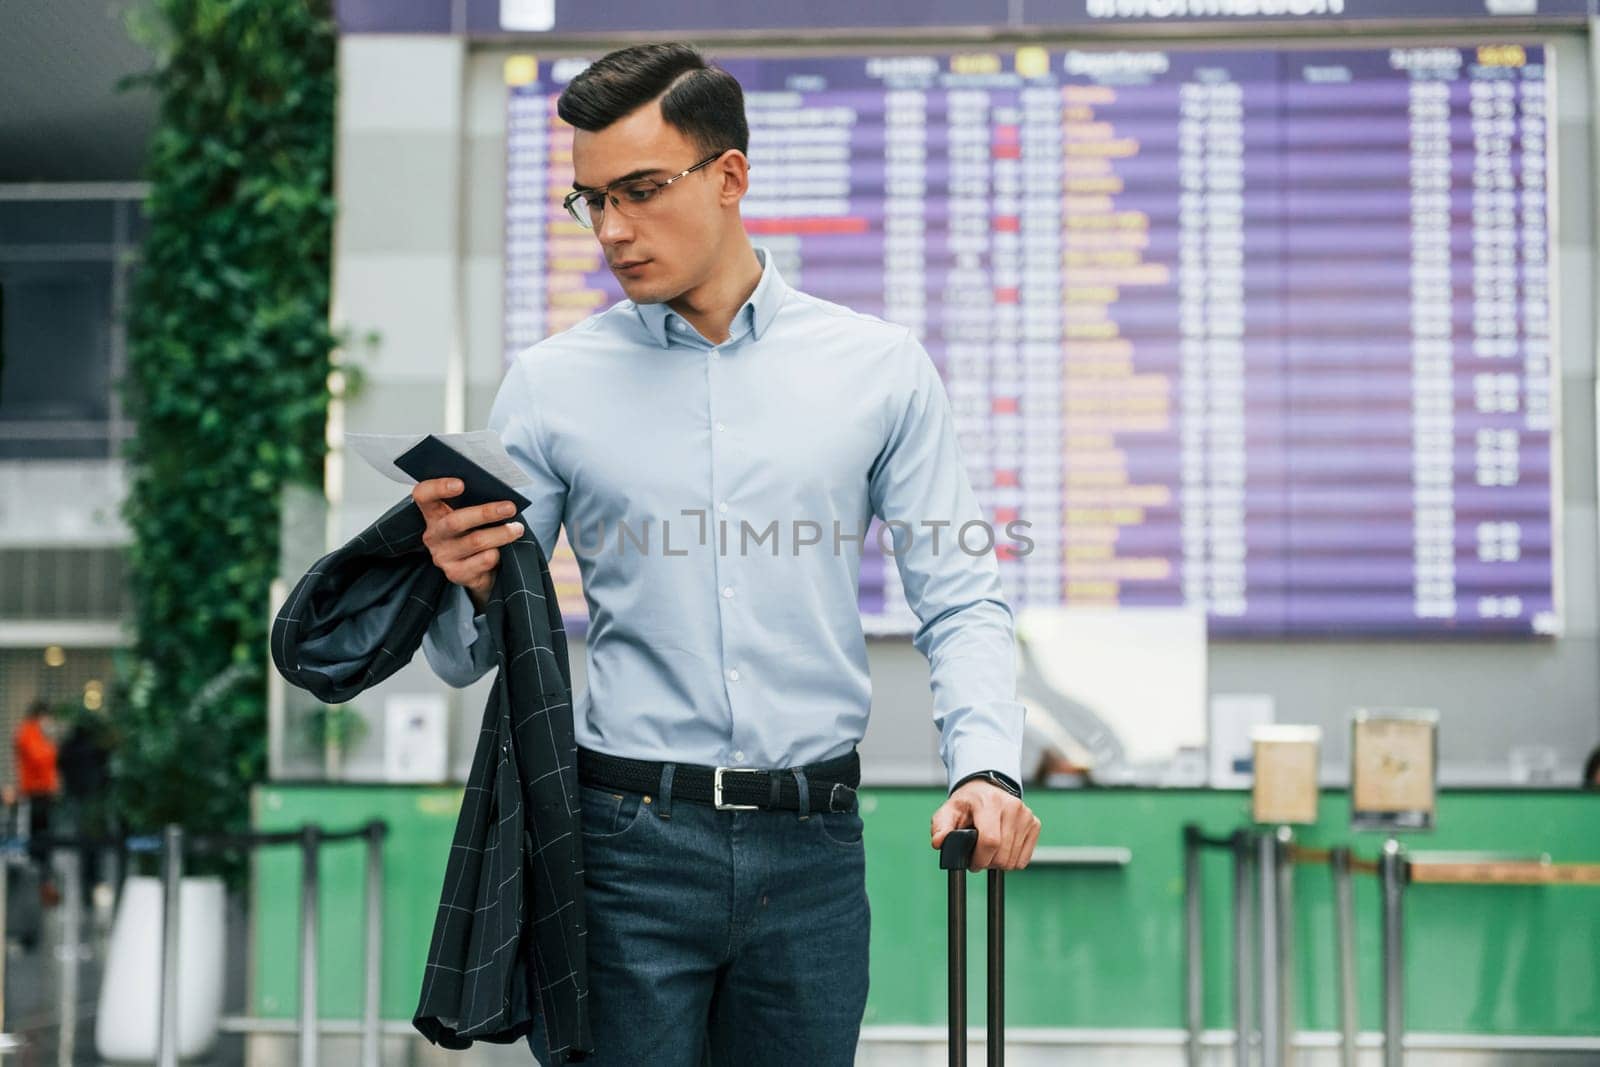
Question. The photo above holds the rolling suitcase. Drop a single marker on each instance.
(955, 853)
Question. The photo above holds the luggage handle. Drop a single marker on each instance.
(955, 854)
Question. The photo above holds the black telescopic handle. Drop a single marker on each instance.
(955, 853)
(955, 856)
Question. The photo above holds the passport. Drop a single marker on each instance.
(432, 458)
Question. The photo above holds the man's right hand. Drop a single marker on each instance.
(467, 555)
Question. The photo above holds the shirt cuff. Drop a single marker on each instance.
(457, 641)
(470, 623)
(974, 754)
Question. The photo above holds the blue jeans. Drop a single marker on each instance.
(721, 938)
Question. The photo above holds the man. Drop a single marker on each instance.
(715, 402)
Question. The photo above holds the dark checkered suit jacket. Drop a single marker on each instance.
(508, 939)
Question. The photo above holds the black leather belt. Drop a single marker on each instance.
(830, 784)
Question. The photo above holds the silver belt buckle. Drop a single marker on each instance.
(716, 791)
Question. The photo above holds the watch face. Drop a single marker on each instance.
(995, 777)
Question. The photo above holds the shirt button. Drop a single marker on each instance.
(720, 427)
(733, 675)
(723, 507)
(715, 354)
(738, 757)
(680, 327)
(727, 592)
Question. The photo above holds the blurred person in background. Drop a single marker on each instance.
(85, 768)
(1591, 770)
(39, 784)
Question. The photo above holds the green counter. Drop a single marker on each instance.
(1098, 948)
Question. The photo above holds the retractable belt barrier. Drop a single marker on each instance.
(172, 845)
(1269, 913)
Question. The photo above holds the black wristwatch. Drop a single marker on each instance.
(996, 777)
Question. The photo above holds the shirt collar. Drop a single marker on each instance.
(757, 312)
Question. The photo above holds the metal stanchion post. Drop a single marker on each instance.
(1344, 911)
(171, 886)
(1271, 981)
(310, 844)
(1194, 942)
(70, 952)
(8, 1042)
(995, 1031)
(109, 875)
(1391, 869)
(1285, 888)
(69, 865)
(1243, 920)
(371, 1034)
(119, 869)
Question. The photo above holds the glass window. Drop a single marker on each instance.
(55, 360)
(57, 222)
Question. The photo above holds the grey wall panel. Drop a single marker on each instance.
(410, 167)
(399, 83)
(1491, 696)
(486, 184)
(404, 297)
(485, 301)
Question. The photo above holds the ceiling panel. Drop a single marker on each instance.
(61, 118)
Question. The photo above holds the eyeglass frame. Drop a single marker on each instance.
(571, 199)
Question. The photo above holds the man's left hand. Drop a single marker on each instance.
(1007, 828)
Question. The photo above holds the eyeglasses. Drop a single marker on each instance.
(631, 198)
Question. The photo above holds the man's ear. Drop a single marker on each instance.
(734, 169)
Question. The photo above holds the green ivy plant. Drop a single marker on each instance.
(230, 355)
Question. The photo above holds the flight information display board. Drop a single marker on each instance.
(1265, 331)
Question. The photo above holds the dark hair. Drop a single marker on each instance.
(702, 101)
(36, 708)
(1590, 768)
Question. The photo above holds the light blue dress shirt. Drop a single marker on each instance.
(704, 646)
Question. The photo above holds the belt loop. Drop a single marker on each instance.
(664, 793)
(805, 793)
(774, 789)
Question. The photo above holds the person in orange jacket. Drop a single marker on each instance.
(39, 782)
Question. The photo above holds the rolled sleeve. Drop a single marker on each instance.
(967, 630)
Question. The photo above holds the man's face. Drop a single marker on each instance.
(669, 246)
